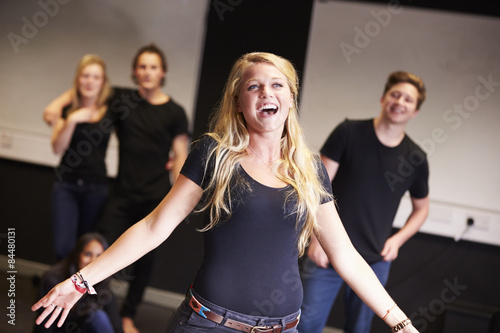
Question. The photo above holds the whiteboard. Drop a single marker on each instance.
(354, 46)
(42, 42)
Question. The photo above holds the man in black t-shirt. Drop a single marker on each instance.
(371, 163)
(153, 137)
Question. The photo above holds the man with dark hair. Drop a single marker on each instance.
(371, 163)
(151, 129)
(151, 48)
(153, 137)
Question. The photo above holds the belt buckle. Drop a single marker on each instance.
(258, 328)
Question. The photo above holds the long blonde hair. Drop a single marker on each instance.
(297, 167)
(104, 94)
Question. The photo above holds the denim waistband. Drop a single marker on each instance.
(247, 319)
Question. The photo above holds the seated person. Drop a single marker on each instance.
(93, 313)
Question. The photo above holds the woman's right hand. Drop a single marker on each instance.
(58, 302)
(82, 115)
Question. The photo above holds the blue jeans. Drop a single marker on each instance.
(99, 322)
(185, 320)
(321, 286)
(76, 209)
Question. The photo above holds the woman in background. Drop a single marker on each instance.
(82, 134)
(92, 313)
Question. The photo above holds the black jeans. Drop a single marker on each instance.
(120, 214)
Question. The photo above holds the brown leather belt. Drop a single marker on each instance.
(236, 325)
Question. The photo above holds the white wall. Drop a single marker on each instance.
(42, 42)
(354, 46)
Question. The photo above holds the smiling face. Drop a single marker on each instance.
(399, 103)
(90, 81)
(148, 71)
(90, 252)
(264, 99)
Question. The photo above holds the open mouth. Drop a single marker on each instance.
(398, 110)
(268, 109)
